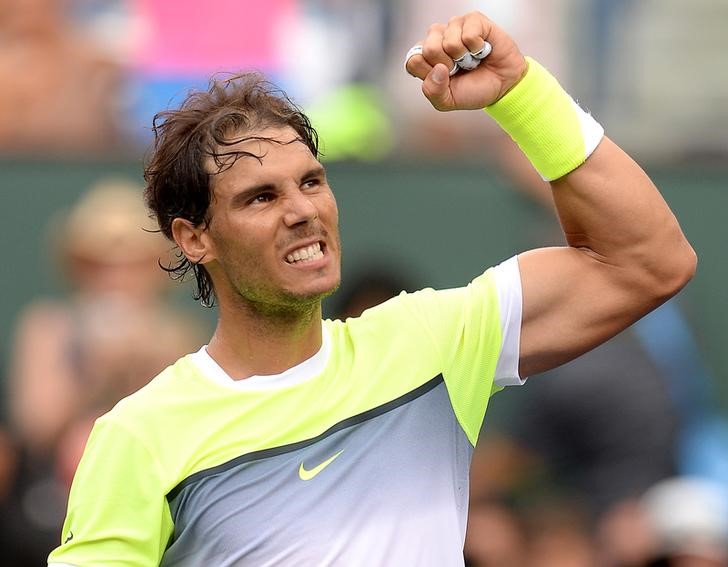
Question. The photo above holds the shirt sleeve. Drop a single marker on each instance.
(507, 278)
(117, 512)
(470, 335)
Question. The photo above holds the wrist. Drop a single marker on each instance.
(554, 132)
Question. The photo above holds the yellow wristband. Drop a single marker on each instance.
(554, 132)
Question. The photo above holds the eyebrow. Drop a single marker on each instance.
(248, 193)
(244, 195)
(317, 171)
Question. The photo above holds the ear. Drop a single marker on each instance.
(193, 241)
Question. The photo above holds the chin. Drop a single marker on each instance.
(318, 288)
(319, 293)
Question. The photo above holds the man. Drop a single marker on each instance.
(292, 441)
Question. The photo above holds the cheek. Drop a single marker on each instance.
(226, 250)
(329, 211)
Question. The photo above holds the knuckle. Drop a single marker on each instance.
(430, 52)
(452, 46)
(471, 37)
(413, 69)
(435, 28)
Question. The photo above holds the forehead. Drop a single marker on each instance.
(265, 156)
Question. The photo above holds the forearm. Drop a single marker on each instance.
(626, 255)
(611, 210)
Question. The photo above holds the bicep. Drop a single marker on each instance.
(572, 302)
(626, 254)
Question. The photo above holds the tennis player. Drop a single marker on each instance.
(288, 440)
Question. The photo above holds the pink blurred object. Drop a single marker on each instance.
(191, 37)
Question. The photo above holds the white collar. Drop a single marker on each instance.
(300, 373)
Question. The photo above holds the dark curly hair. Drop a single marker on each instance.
(205, 126)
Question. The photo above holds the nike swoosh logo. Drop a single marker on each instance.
(305, 474)
(69, 538)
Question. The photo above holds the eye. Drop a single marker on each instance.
(311, 183)
(265, 197)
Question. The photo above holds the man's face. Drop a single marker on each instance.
(274, 237)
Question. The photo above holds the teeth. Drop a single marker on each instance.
(312, 252)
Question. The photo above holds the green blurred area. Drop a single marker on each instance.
(439, 224)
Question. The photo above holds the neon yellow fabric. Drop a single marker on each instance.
(182, 422)
(545, 122)
(467, 346)
(119, 480)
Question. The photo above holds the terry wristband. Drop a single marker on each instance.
(554, 132)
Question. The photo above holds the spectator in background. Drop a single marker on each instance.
(74, 358)
(78, 356)
(57, 90)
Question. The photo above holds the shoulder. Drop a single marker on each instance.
(154, 424)
(434, 308)
(149, 401)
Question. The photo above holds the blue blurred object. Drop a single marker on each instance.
(703, 438)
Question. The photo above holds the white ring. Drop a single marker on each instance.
(483, 52)
(467, 62)
(455, 69)
(414, 50)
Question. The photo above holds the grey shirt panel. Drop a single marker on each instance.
(397, 477)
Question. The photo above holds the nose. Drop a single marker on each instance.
(299, 209)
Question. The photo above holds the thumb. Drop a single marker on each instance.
(436, 86)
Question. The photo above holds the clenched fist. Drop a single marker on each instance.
(469, 90)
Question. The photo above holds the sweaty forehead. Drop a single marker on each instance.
(260, 153)
(257, 141)
(251, 144)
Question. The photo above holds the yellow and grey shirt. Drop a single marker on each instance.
(358, 456)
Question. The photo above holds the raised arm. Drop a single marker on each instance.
(626, 253)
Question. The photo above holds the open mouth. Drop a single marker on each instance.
(305, 254)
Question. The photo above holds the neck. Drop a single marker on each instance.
(252, 341)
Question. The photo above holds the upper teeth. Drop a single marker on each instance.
(307, 253)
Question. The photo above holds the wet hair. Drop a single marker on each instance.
(200, 132)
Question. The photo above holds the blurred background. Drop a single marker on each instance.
(619, 458)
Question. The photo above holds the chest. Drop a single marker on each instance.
(368, 485)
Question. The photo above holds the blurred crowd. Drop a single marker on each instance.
(617, 459)
(85, 77)
(74, 356)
